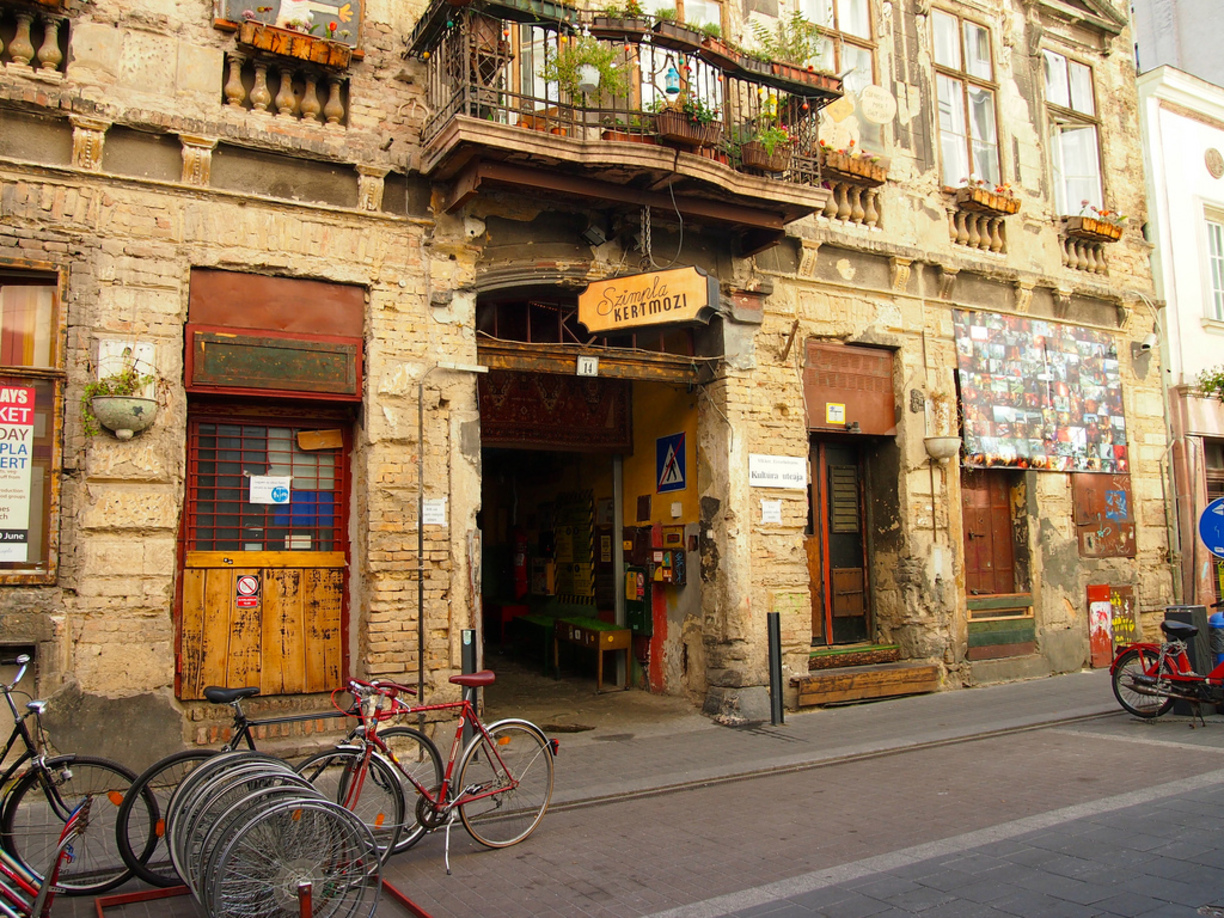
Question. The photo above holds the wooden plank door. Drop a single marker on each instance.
(263, 585)
(990, 562)
(837, 547)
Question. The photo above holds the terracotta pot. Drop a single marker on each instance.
(719, 54)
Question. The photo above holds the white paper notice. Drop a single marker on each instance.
(771, 511)
(270, 489)
(434, 513)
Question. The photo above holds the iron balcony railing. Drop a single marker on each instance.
(488, 63)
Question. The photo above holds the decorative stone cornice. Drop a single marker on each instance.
(197, 159)
(88, 139)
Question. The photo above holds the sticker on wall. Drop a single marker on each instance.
(670, 466)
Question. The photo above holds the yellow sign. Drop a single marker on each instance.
(659, 298)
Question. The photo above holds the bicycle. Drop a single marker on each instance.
(499, 784)
(143, 845)
(25, 895)
(41, 794)
(1148, 677)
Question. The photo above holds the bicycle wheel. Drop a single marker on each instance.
(513, 776)
(1136, 683)
(416, 755)
(314, 841)
(370, 790)
(41, 803)
(143, 847)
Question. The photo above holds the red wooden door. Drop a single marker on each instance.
(990, 562)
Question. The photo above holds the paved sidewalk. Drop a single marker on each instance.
(651, 757)
(620, 757)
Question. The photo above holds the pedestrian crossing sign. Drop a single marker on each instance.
(670, 465)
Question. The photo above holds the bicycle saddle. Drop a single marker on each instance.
(1178, 631)
(474, 680)
(218, 695)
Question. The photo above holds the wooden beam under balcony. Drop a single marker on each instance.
(471, 154)
(613, 362)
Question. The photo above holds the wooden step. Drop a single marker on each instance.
(834, 686)
(853, 655)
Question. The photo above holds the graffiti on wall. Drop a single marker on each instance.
(1038, 394)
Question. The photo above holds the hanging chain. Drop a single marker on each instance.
(646, 245)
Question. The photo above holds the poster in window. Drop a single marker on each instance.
(16, 463)
(1038, 394)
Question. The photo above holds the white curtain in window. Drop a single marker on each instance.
(1077, 167)
(952, 134)
(1215, 252)
(947, 43)
(984, 132)
(854, 18)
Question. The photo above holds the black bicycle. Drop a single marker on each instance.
(142, 843)
(42, 793)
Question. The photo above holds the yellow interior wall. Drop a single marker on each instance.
(660, 411)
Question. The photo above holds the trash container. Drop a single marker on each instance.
(1198, 648)
(1216, 623)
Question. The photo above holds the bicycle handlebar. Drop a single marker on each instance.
(22, 662)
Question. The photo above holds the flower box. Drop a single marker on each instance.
(289, 43)
(677, 127)
(619, 28)
(755, 65)
(676, 37)
(806, 76)
(984, 201)
(718, 53)
(753, 156)
(628, 136)
(859, 170)
(1092, 229)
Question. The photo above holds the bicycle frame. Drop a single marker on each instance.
(1173, 654)
(467, 715)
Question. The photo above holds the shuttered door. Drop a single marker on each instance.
(263, 580)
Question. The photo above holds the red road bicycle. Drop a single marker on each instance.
(1149, 677)
(499, 783)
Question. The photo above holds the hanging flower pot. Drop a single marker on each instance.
(588, 79)
(124, 415)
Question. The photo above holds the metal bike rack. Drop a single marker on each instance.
(251, 838)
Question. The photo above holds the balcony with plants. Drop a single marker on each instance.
(620, 107)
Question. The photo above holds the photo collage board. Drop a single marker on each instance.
(1039, 394)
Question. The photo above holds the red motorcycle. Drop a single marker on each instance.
(1149, 677)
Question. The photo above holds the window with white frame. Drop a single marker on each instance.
(1215, 265)
(1075, 155)
(965, 88)
(847, 46)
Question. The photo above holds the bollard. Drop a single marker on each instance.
(775, 668)
(467, 662)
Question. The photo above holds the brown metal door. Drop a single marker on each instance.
(837, 547)
(263, 573)
(990, 565)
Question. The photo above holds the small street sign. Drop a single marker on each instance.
(1211, 527)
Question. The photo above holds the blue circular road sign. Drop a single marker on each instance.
(1211, 527)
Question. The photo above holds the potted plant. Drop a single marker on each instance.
(979, 196)
(716, 51)
(625, 23)
(119, 401)
(767, 149)
(584, 66)
(1095, 224)
(789, 45)
(636, 130)
(688, 120)
(674, 35)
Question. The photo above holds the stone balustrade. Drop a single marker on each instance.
(286, 91)
(1084, 255)
(852, 203)
(986, 232)
(38, 41)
